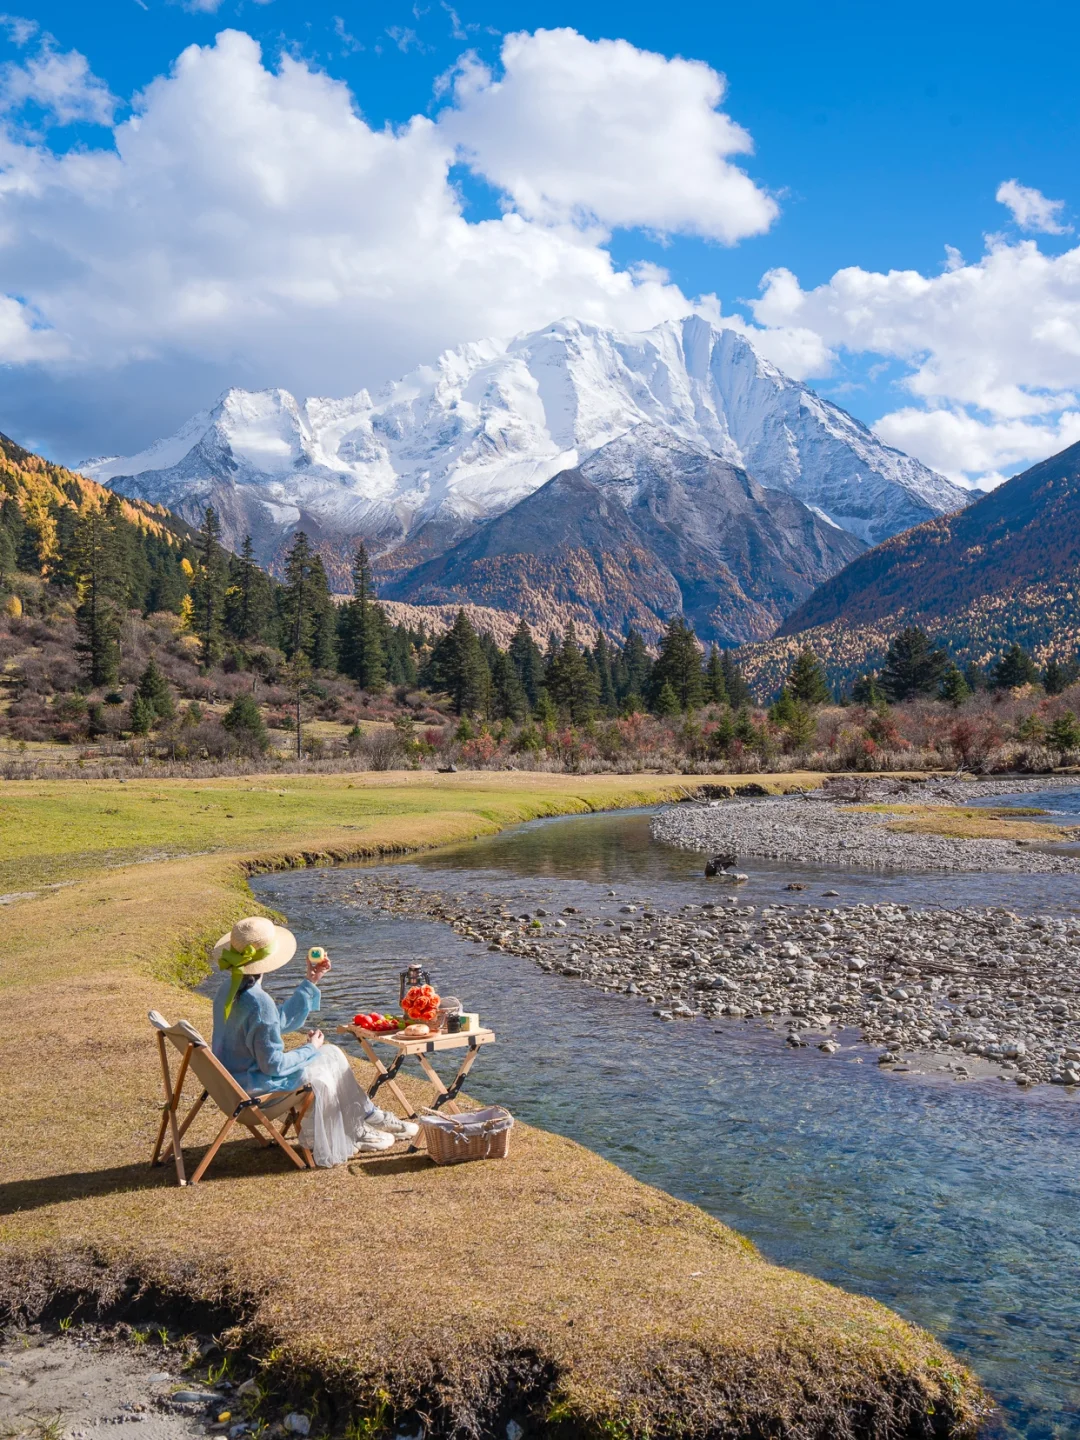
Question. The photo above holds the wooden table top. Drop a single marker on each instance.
(423, 1044)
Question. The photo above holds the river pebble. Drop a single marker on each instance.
(982, 983)
(813, 828)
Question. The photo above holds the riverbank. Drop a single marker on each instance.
(553, 1290)
(922, 827)
(975, 992)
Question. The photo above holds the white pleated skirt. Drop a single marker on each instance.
(332, 1127)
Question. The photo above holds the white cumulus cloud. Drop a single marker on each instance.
(992, 346)
(246, 225)
(1030, 208)
(960, 444)
(61, 85)
(599, 129)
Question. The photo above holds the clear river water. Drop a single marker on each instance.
(956, 1203)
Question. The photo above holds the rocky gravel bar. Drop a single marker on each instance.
(984, 990)
(813, 828)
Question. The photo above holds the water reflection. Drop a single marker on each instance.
(614, 849)
(955, 1204)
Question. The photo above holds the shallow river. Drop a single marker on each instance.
(958, 1204)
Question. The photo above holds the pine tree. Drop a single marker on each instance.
(744, 727)
(100, 587)
(527, 660)
(1064, 735)
(363, 648)
(679, 666)
(807, 680)
(570, 683)
(1015, 668)
(912, 665)
(154, 689)
(509, 701)
(738, 692)
(133, 566)
(974, 677)
(323, 652)
(12, 529)
(249, 599)
(724, 733)
(398, 645)
(633, 672)
(783, 708)
(801, 726)
(142, 715)
(168, 583)
(666, 703)
(298, 681)
(868, 691)
(954, 688)
(208, 590)
(8, 556)
(457, 665)
(715, 689)
(1058, 677)
(544, 712)
(601, 662)
(244, 722)
(297, 599)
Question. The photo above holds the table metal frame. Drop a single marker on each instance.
(420, 1047)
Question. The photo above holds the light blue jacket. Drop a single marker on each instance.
(249, 1042)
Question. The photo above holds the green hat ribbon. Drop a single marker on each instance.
(235, 960)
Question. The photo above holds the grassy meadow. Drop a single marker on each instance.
(596, 1304)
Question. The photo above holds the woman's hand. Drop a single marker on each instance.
(317, 1038)
(316, 969)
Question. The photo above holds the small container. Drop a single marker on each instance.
(455, 1024)
(449, 1007)
(470, 1021)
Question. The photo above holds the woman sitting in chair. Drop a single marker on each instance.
(248, 1026)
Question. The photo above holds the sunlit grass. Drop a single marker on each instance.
(962, 823)
(390, 1278)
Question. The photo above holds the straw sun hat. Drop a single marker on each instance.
(253, 947)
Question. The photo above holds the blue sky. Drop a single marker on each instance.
(880, 136)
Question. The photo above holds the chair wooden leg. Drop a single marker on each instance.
(214, 1148)
(308, 1101)
(277, 1137)
(157, 1158)
(188, 1118)
(172, 1095)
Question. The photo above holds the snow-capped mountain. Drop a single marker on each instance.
(647, 526)
(417, 466)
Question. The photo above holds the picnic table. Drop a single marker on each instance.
(420, 1047)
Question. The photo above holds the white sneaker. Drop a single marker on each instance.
(393, 1125)
(370, 1139)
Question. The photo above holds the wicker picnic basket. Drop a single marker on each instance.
(476, 1135)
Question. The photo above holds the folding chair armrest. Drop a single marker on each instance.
(274, 1097)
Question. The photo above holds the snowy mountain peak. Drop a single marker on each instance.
(467, 437)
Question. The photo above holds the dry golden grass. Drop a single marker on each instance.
(551, 1283)
(961, 823)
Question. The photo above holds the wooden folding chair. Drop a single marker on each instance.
(238, 1107)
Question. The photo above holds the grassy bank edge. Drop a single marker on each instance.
(896, 1378)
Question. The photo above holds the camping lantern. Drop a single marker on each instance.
(414, 975)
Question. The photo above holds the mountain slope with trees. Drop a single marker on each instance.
(1024, 533)
(649, 526)
(1004, 572)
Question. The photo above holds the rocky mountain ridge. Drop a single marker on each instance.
(423, 463)
(647, 526)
